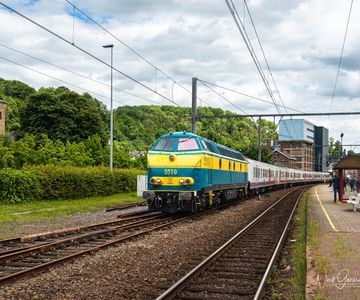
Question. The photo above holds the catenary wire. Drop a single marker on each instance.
(341, 55)
(249, 96)
(233, 104)
(86, 52)
(58, 79)
(266, 61)
(75, 73)
(130, 48)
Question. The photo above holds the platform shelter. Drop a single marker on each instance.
(351, 162)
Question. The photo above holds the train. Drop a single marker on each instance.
(189, 173)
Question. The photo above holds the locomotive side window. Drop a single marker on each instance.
(220, 163)
(229, 165)
(187, 144)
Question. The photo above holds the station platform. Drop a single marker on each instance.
(333, 248)
(334, 216)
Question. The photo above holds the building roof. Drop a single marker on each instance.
(284, 154)
(350, 162)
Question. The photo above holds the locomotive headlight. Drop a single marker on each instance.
(182, 181)
(172, 157)
(188, 181)
(155, 181)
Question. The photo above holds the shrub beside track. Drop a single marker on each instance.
(54, 182)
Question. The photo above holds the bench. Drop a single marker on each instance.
(355, 201)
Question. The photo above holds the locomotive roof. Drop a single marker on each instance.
(189, 134)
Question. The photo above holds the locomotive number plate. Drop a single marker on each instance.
(170, 171)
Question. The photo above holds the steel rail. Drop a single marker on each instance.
(70, 240)
(261, 287)
(46, 265)
(16, 244)
(176, 288)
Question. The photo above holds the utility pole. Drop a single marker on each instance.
(111, 109)
(259, 140)
(193, 105)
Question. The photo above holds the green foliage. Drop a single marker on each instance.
(55, 182)
(142, 125)
(18, 186)
(63, 115)
(73, 182)
(15, 89)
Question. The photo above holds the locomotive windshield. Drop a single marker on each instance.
(176, 144)
(187, 144)
(165, 144)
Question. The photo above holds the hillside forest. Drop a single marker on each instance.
(61, 127)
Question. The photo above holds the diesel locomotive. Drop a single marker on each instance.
(187, 172)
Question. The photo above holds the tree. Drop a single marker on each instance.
(64, 115)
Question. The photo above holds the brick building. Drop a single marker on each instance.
(296, 139)
(2, 117)
(282, 159)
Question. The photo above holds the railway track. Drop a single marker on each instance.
(24, 256)
(240, 267)
(127, 206)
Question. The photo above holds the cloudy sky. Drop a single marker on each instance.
(302, 41)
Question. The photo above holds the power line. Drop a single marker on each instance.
(266, 61)
(246, 95)
(75, 73)
(87, 52)
(223, 97)
(251, 50)
(58, 79)
(128, 47)
(341, 55)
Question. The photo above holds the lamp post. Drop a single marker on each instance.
(111, 109)
(341, 145)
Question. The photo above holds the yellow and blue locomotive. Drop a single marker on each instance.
(187, 172)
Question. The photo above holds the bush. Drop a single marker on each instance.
(18, 186)
(74, 182)
(56, 182)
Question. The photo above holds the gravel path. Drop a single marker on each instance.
(142, 268)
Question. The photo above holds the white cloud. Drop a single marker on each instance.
(302, 41)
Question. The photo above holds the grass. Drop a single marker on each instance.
(49, 209)
(298, 277)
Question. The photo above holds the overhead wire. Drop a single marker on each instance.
(87, 53)
(58, 79)
(266, 61)
(246, 95)
(241, 28)
(233, 104)
(341, 55)
(75, 73)
(128, 47)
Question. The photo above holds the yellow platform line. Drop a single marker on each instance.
(325, 212)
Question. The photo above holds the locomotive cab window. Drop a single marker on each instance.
(187, 144)
(165, 144)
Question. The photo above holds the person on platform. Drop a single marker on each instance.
(358, 184)
(352, 184)
(335, 183)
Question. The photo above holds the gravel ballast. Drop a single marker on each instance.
(142, 268)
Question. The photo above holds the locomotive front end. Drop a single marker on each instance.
(174, 173)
